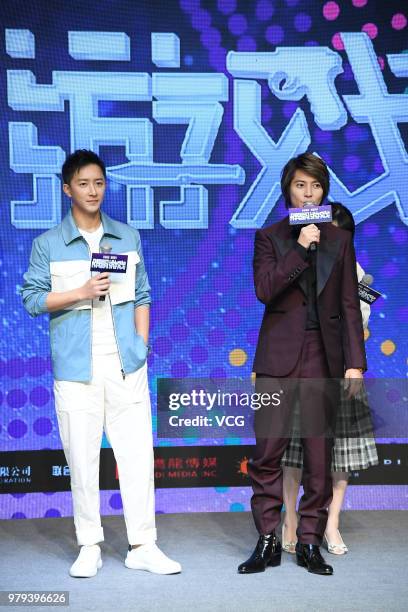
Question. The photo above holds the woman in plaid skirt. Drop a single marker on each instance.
(349, 453)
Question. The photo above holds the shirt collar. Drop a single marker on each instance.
(70, 231)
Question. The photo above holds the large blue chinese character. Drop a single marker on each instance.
(294, 72)
(265, 190)
(83, 90)
(191, 99)
(43, 162)
(382, 111)
(291, 74)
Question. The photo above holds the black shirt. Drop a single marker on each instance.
(312, 318)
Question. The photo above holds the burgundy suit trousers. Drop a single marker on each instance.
(265, 467)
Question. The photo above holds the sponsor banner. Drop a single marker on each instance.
(176, 467)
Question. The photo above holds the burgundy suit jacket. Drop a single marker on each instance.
(279, 285)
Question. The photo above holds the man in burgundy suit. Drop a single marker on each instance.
(311, 329)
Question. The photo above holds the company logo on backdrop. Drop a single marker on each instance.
(197, 100)
(182, 466)
(15, 474)
(60, 471)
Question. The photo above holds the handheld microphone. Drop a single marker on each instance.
(367, 279)
(105, 261)
(366, 293)
(310, 213)
(105, 248)
(313, 245)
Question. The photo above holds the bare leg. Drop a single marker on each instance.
(291, 484)
(340, 481)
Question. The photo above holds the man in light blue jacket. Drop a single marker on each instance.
(99, 326)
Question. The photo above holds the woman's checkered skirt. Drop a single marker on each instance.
(354, 446)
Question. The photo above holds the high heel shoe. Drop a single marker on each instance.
(289, 547)
(336, 549)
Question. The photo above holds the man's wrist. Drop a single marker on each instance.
(78, 294)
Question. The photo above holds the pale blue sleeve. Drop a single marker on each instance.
(142, 287)
(37, 280)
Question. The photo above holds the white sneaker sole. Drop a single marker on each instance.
(146, 568)
(84, 575)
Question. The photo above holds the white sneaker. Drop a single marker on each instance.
(88, 562)
(150, 558)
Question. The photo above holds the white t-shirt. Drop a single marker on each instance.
(103, 333)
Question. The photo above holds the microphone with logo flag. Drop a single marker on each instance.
(105, 261)
(365, 292)
(310, 213)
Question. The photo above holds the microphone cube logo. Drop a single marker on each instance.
(310, 214)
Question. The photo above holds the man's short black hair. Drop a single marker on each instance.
(310, 164)
(77, 160)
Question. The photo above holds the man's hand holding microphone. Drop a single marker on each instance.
(95, 287)
(309, 235)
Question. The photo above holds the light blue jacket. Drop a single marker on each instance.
(60, 261)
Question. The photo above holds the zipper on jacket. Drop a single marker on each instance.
(90, 340)
(116, 339)
(122, 370)
(91, 332)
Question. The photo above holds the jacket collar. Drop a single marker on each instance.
(326, 253)
(70, 231)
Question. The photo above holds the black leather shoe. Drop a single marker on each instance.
(268, 551)
(308, 555)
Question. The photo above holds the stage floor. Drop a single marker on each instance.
(36, 554)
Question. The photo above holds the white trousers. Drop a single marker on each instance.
(122, 408)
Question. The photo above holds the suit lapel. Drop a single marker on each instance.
(327, 252)
(284, 244)
(326, 256)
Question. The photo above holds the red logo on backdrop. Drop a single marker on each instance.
(243, 466)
